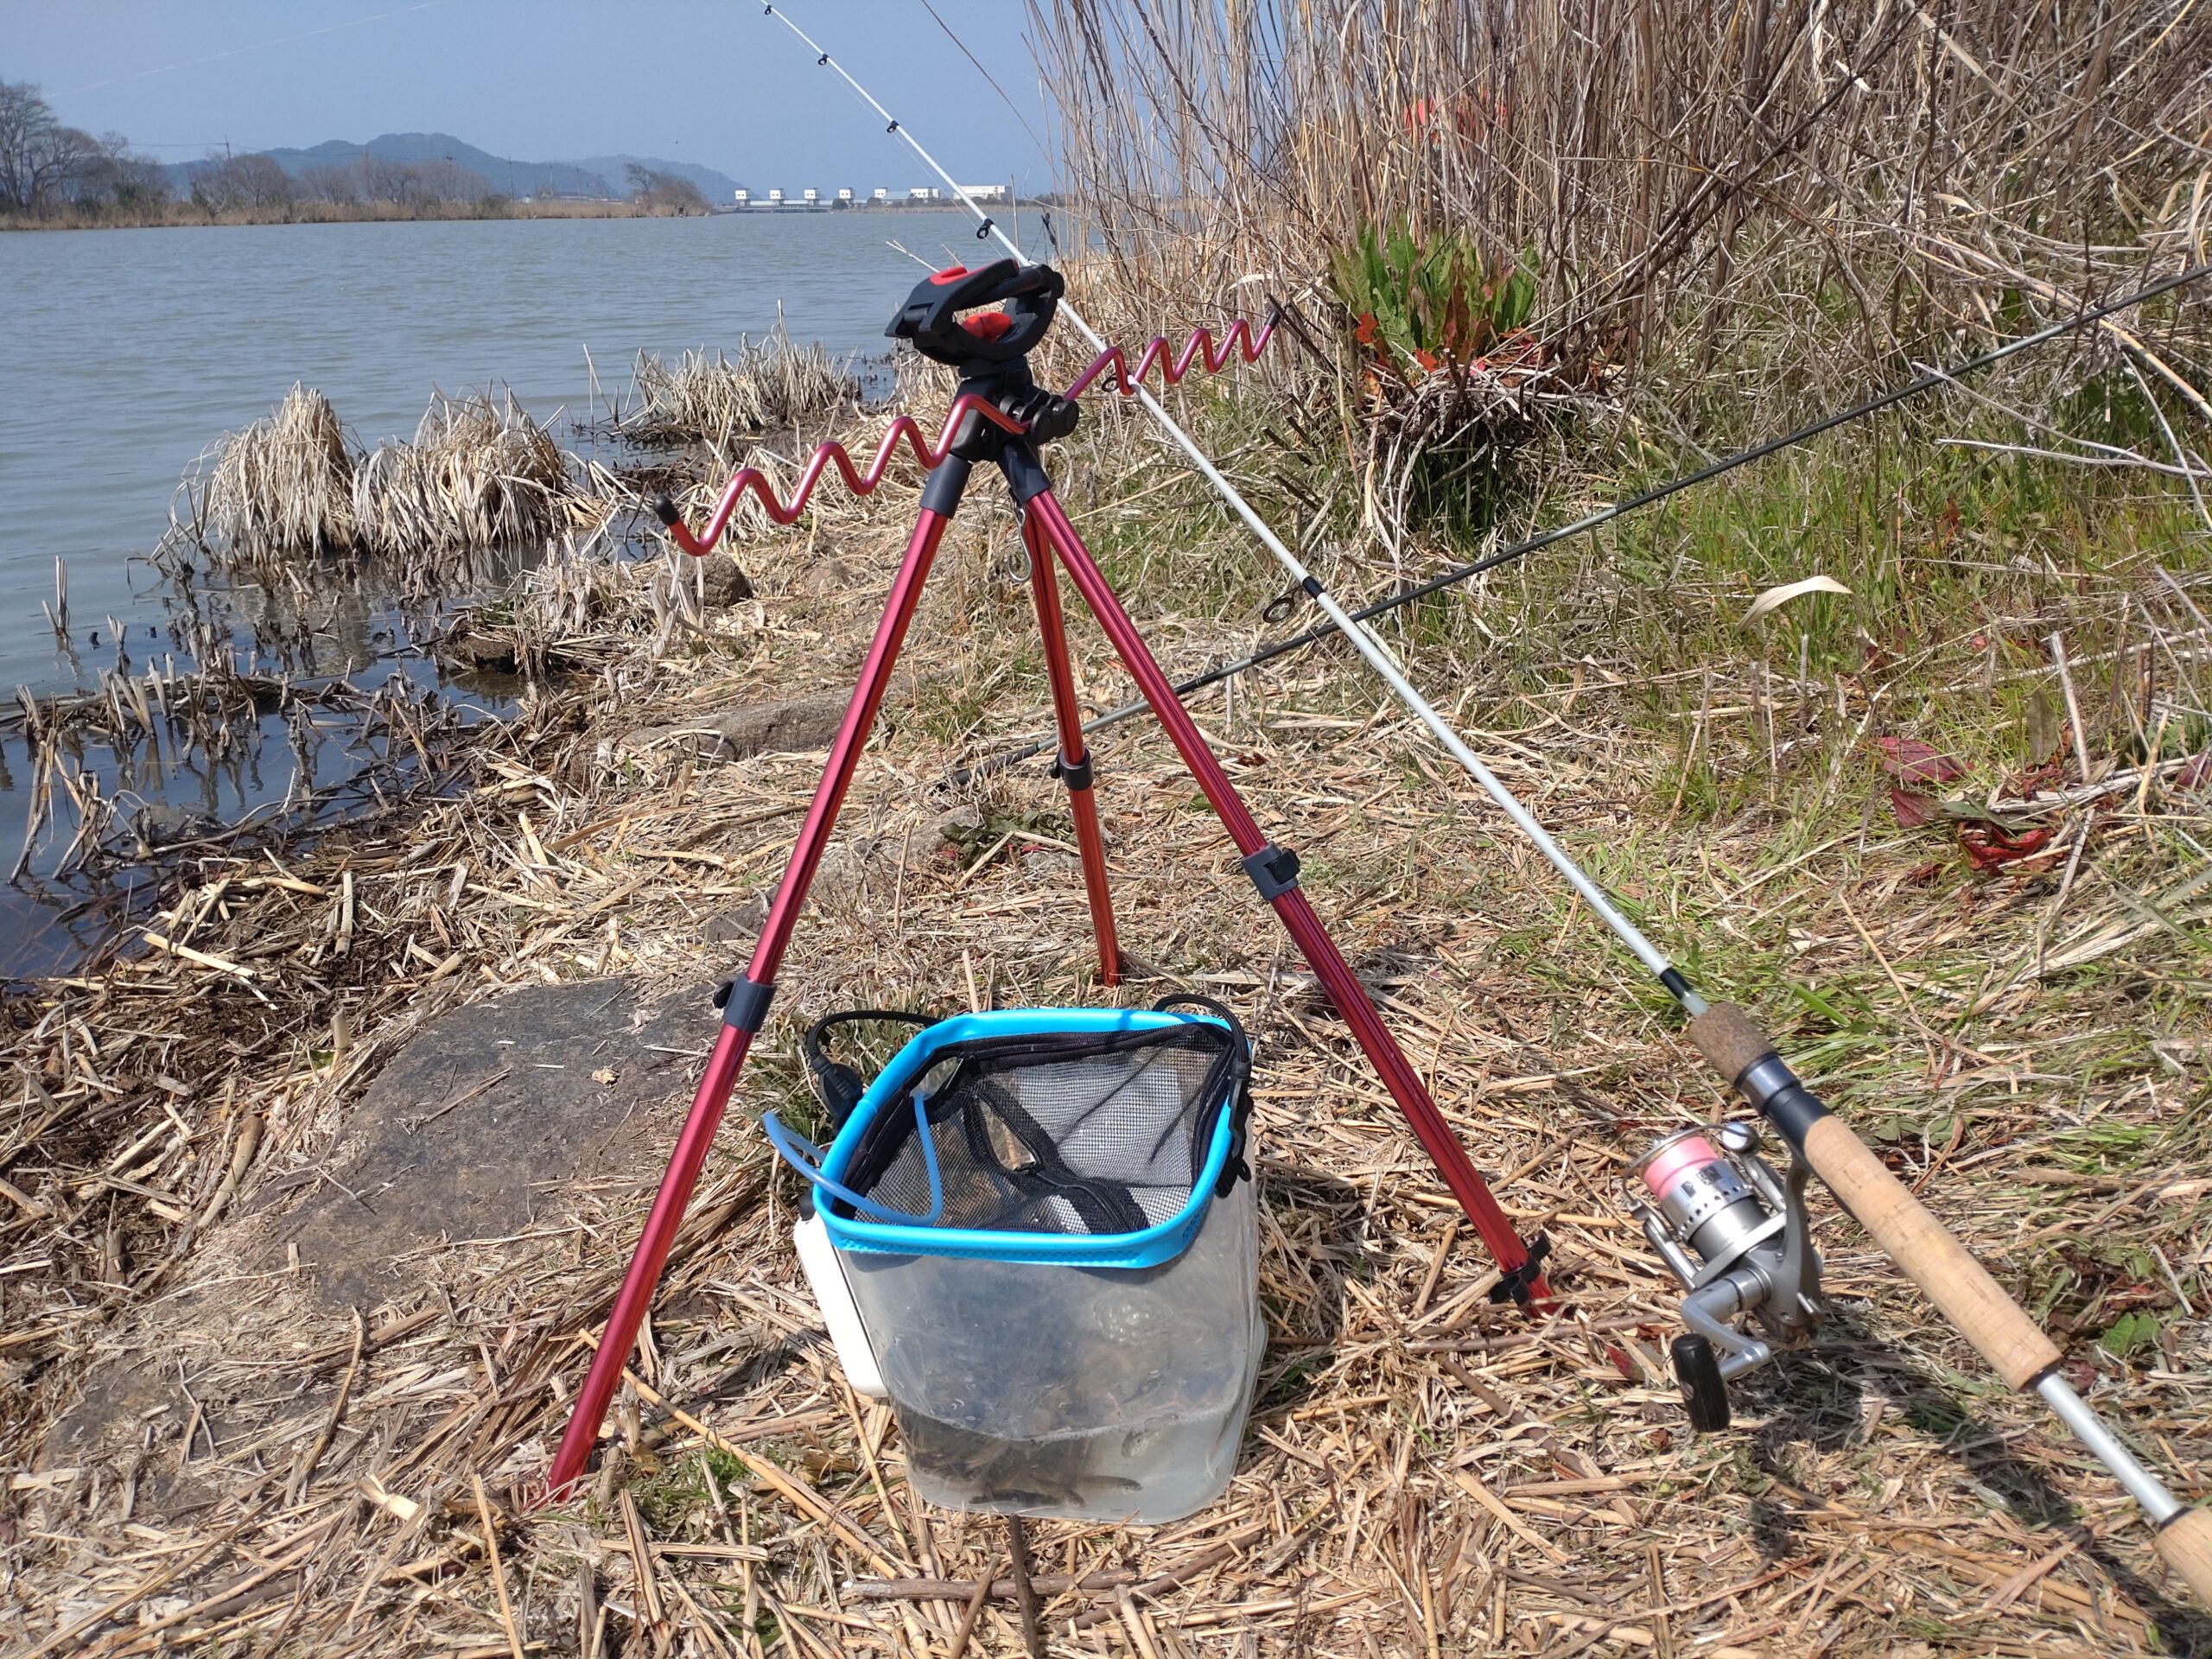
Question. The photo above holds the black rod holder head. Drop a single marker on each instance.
(990, 343)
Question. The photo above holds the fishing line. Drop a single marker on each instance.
(988, 79)
(1353, 628)
(237, 51)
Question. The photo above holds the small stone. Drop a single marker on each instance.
(491, 654)
(165, 824)
(723, 583)
(740, 733)
(740, 926)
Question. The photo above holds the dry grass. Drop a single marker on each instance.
(285, 482)
(1423, 1473)
(481, 472)
(766, 383)
(1749, 205)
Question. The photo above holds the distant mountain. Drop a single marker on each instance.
(599, 176)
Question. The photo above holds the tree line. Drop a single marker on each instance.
(46, 167)
(44, 164)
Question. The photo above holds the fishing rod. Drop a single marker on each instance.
(1458, 573)
(1748, 1266)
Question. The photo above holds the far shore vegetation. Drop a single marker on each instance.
(58, 177)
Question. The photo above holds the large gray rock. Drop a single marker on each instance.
(739, 733)
(477, 1121)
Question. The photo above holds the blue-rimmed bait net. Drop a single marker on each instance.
(1064, 1132)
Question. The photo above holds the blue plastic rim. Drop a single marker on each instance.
(1162, 1241)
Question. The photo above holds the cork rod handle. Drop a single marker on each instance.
(1945, 1270)
(2185, 1542)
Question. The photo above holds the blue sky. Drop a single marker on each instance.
(711, 81)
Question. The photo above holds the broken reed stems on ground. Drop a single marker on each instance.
(1422, 1472)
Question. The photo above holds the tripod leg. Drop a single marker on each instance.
(744, 1010)
(1075, 760)
(1275, 876)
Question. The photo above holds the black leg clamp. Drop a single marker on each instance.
(1273, 871)
(1076, 775)
(744, 1004)
(1518, 1284)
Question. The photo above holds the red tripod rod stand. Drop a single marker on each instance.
(1273, 870)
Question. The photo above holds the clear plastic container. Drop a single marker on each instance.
(1095, 1394)
(1040, 1225)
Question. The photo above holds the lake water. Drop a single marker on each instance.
(126, 353)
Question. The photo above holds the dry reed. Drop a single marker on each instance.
(767, 383)
(1798, 192)
(285, 482)
(480, 473)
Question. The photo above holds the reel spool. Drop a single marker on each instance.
(1739, 1239)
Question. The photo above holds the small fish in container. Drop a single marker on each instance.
(1035, 1234)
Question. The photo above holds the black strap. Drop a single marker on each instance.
(839, 1086)
(1104, 1206)
(1238, 1056)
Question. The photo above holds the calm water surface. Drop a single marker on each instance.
(124, 354)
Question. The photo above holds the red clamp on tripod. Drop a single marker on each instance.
(999, 416)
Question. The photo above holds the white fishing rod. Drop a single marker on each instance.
(1749, 1236)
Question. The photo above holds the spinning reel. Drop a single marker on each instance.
(1738, 1238)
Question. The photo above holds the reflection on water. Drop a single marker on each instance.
(130, 351)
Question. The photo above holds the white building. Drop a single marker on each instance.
(775, 198)
(844, 195)
(744, 197)
(882, 194)
(810, 197)
(922, 193)
(984, 192)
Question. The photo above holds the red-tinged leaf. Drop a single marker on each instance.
(1991, 846)
(1920, 875)
(1621, 1363)
(2196, 774)
(1912, 810)
(1909, 761)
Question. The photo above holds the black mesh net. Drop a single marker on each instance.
(1066, 1131)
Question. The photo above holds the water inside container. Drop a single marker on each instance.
(1102, 1394)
